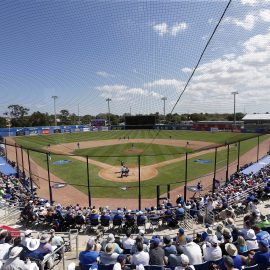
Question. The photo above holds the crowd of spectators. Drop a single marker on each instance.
(223, 244)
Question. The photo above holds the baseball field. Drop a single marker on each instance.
(161, 156)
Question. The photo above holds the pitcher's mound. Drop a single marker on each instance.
(113, 174)
(134, 151)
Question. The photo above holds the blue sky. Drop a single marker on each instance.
(134, 52)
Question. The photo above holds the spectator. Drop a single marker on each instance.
(89, 256)
(229, 263)
(241, 244)
(264, 223)
(233, 253)
(111, 239)
(140, 257)
(212, 251)
(261, 235)
(168, 248)
(175, 260)
(32, 251)
(27, 238)
(120, 264)
(184, 263)
(109, 256)
(181, 237)
(145, 240)
(128, 242)
(193, 251)
(5, 248)
(251, 240)
(3, 235)
(45, 247)
(139, 239)
(262, 256)
(14, 262)
(157, 254)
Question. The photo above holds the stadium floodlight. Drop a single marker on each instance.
(54, 106)
(109, 117)
(164, 108)
(234, 115)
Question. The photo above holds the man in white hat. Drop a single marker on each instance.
(14, 262)
(26, 238)
(251, 240)
(212, 251)
(184, 263)
(111, 239)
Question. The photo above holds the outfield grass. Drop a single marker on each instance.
(37, 142)
(151, 153)
(75, 173)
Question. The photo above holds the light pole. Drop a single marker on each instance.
(109, 117)
(54, 106)
(164, 111)
(234, 115)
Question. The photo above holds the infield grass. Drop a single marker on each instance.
(75, 172)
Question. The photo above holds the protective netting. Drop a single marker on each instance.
(134, 53)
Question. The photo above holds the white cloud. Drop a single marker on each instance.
(265, 15)
(178, 27)
(104, 74)
(163, 28)
(164, 83)
(254, 2)
(247, 23)
(120, 92)
(186, 70)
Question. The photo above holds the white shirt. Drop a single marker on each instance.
(4, 249)
(117, 266)
(194, 253)
(128, 242)
(252, 244)
(140, 258)
(211, 253)
(25, 240)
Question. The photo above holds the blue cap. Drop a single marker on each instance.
(264, 243)
(155, 241)
(181, 231)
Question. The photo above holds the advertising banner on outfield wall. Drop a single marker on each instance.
(33, 131)
(45, 131)
(57, 130)
(85, 129)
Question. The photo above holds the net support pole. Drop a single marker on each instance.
(49, 178)
(185, 188)
(6, 152)
(238, 156)
(258, 148)
(88, 182)
(139, 178)
(215, 171)
(158, 195)
(22, 162)
(17, 161)
(228, 157)
(168, 191)
(30, 172)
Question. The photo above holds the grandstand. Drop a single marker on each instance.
(101, 165)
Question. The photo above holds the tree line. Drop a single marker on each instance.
(18, 116)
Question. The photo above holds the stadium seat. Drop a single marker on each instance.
(202, 266)
(105, 223)
(105, 266)
(85, 266)
(154, 267)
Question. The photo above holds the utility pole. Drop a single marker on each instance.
(164, 108)
(54, 105)
(79, 114)
(234, 115)
(109, 117)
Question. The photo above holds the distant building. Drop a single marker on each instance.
(259, 122)
(218, 125)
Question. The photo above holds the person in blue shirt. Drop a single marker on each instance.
(168, 247)
(261, 235)
(89, 256)
(262, 256)
(94, 214)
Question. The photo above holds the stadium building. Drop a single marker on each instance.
(257, 122)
